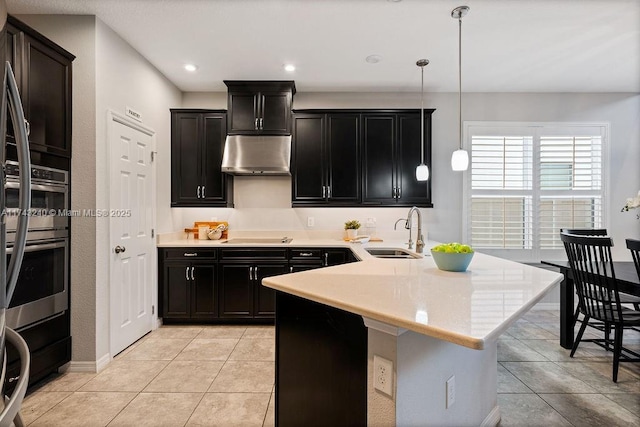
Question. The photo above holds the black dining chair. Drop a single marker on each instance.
(634, 246)
(597, 288)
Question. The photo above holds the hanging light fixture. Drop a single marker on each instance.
(460, 157)
(422, 171)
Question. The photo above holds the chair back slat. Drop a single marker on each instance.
(634, 246)
(593, 275)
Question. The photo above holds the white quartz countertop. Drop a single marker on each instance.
(469, 308)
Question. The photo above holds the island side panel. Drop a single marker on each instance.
(424, 366)
(321, 365)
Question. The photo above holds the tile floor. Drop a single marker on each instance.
(223, 376)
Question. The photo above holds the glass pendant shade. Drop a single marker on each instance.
(422, 172)
(460, 160)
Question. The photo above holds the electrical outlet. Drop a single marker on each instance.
(383, 375)
(371, 221)
(311, 221)
(451, 391)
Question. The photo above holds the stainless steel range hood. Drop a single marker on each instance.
(256, 155)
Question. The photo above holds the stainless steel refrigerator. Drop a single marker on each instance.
(11, 106)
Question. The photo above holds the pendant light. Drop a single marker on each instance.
(460, 157)
(422, 171)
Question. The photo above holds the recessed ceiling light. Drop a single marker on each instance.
(190, 67)
(373, 59)
(289, 67)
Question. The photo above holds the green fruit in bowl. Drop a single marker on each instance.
(453, 248)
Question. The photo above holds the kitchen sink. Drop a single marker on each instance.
(394, 253)
(260, 240)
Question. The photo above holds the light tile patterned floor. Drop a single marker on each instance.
(223, 376)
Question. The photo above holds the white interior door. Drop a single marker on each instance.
(131, 221)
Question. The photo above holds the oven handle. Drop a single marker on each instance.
(24, 160)
(38, 187)
(41, 247)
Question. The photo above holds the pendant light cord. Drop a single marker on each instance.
(460, 80)
(422, 117)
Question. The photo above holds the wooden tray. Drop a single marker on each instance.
(211, 224)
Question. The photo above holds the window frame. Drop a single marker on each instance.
(535, 130)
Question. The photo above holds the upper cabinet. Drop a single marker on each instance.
(325, 159)
(259, 107)
(43, 74)
(359, 157)
(391, 150)
(197, 144)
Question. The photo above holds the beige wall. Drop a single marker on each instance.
(107, 74)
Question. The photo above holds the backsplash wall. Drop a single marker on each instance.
(265, 204)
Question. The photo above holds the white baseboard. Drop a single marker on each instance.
(93, 367)
(493, 418)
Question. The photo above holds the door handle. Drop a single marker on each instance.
(198, 191)
(192, 277)
(118, 249)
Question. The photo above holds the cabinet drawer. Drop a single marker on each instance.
(244, 254)
(305, 254)
(190, 253)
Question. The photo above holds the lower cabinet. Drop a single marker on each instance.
(188, 278)
(225, 285)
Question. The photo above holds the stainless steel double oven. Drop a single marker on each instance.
(41, 291)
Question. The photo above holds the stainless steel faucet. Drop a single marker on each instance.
(407, 224)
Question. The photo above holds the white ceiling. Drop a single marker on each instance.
(508, 45)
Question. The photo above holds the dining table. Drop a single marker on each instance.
(628, 282)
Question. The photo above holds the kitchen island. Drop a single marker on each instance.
(438, 329)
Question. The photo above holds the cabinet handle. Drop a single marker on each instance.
(203, 187)
(186, 273)
(255, 273)
(324, 191)
(261, 123)
(328, 191)
(306, 253)
(191, 254)
(399, 192)
(250, 271)
(326, 259)
(198, 191)
(291, 269)
(192, 277)
(255, 124)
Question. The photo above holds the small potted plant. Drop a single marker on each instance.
(352, 228)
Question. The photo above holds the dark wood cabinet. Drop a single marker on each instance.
(188, 278)
(326, 159)
(313, 340)
(359, 157)
(260, 107)
(391, 151)
(242, 295)
(197, 145)
(43, 73)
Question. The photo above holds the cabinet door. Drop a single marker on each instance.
(243, 112)
(214, 182)
(177, 287)
(411, 191)
(379, 172)
(336, 256)
(236, 291)
(204, 301)
(294, 268)
(275, 113)
(343, 154)
(185, 159)
(46, 97)
(11, 52)
(308, 164)
(265, 298)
